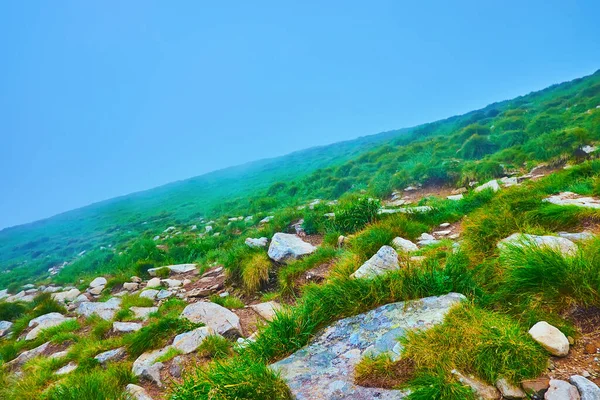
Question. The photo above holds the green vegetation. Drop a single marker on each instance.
(486, 336)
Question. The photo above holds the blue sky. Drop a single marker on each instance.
(104, 98)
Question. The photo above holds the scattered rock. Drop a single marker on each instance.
(509, 391)
(324, 369)
(131, 286)
(175, 269)
(143, 312)
(260, 242)
(172, 283)
(44, 322)
(342, 240)
(125, 327)
(63, 297)
(106, 310)
(136, 279)
(176, 367)
(220, 319)
(5, 327)
(573, 199)
(404, 245)
(111, 355)
(481, 389)
(145, 366)
(493, 184)
(189, 341)
(588, 390)
(28, 355)
(536, 386)
(565, 246)
(285, 247)
(163, 294)
(137, 392)
(267, 310)
(149, 294)
(154, 282)
(552, 339)
(455, 197)
(385, 260)
(70, 367)
(561, 390)
(577, 236)
(100, 281)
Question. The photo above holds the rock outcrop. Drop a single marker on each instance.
(565, 246)
(324, 369)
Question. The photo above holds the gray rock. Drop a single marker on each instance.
(143, 312)
(404, 245)
(176, 367)
(28, 355)
(125, 327)
(154, 282)
(286, 247)
(266, 310)
(100, 281)
(111, 355)
(573, 199)
(171, 283)
(44, 322)
(164, 294)
(577, 236)
(552, 339)
(493, 184)
(455, 197)
(70, 367)
(5, 327)
(131, 286)
(385, 260)
(145, 366)
(106, 310)
(149, 294)
(565, 246)
(189, 341)
(588, 390)
(220, 319)
(96, 291)
(510, 391)
(260, 242)
(561, 390)
(481, 389)
(69, 295)
(175, 269)
(325, 368)
(137, 392)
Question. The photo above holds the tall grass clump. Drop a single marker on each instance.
(237, 378)
(473, 340)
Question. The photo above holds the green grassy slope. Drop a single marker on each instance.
(61, 237)
(547, 125)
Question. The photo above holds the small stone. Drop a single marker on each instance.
(509, 391)
(220, 319)
(149, 294)
(143, 312)
(137, 392)
(131, 286)
(404, 245)
(171, 283)
(136, 279)
(154, 282)
(70, 367)
(100, 281)
(260, 242)
(125, 327)
(385, 260)
(164, 294)
(482, 389)
(176, 367)
(588, 390)
(267, 310)
(536, 386)
(445, 225)
(561, 390)
(552, 339)
(286, 247)
(111, 355)
(189, 341)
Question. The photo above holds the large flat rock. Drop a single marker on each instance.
(325, 368)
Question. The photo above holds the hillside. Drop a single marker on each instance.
(457, 260)
(478, 145)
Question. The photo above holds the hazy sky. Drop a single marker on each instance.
(103, 98)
